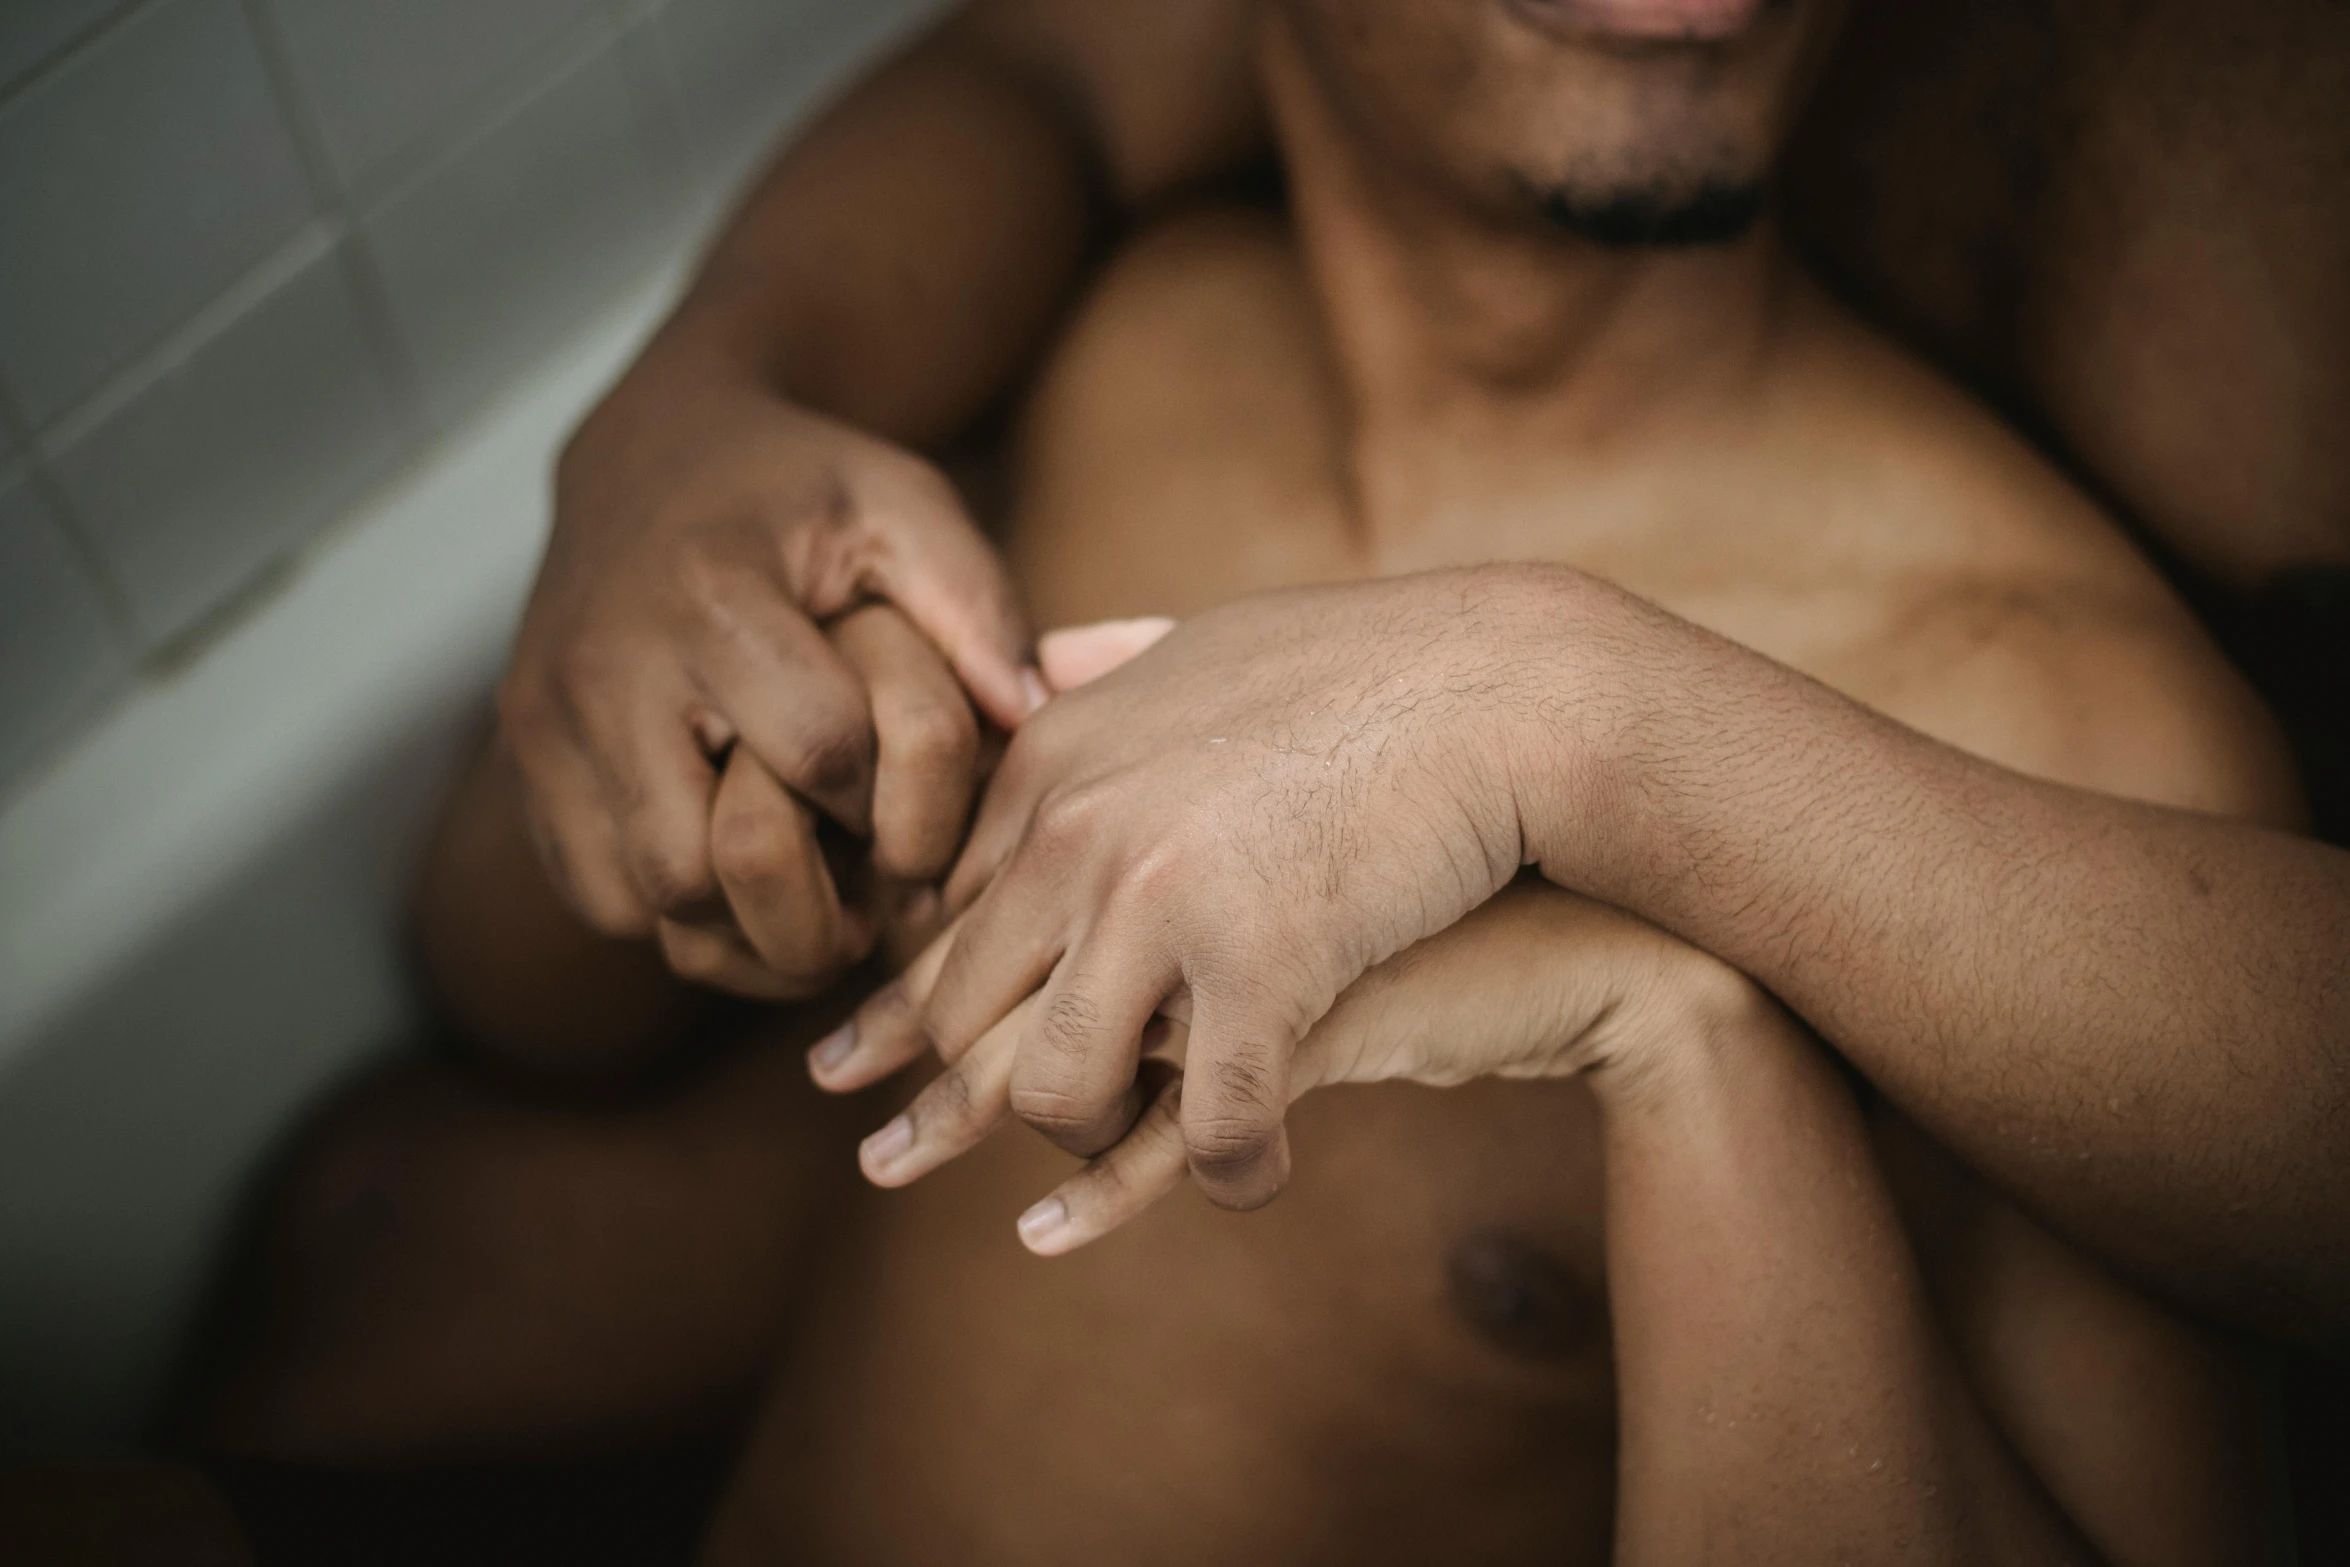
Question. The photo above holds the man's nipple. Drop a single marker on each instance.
(1521, 1297)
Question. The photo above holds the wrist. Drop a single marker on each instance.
(684, 385)
(1683, 1034)
(1576, 697)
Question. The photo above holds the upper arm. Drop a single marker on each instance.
(1165, 91)
(913, 249)
(2126, 697)
(2144, 1429)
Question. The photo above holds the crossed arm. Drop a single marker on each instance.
(2034, 973)
(2134, 1019)
(1830, 1340)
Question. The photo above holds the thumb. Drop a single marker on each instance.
(1074, 655)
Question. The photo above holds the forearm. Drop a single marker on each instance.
(1785, 1391)
(2136, 1020)
(905, 256)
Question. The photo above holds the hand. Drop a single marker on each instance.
(705, 528)
(1231, 828)
(1534, 983)
(785, 925)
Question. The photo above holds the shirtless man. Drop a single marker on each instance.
(2124, 218)
(1522, 304)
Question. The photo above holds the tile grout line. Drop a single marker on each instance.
(496, 103)
(335, 215)
(61, 56)
(332, 229)
(656, 95)
(194, 332)
(113, 600)
(357, 263)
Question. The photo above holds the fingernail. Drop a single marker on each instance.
(1042, 1222)
(887, 1146)
(1034, 690)
(834, 1048)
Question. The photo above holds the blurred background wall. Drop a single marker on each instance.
(297, 298)
(256, 254)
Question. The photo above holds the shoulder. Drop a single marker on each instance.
(2019, 622)
(1203, 316)
(1165, 90)
(1203, 263)
(2097, 688)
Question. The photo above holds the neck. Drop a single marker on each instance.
(1438, 313)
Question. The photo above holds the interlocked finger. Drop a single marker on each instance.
(778, 890)
(886, 1033)
(961, 1105)
(712, 953)
(1149, 1163)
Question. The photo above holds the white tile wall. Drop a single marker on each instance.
(138, 179)
(257, 255)
(250, 445)
(33, 30)
(491, 254)
(380, 75)
(737, 54)
(58, 652)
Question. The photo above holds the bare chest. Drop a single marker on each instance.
(1189, 443)
(1405, 1358)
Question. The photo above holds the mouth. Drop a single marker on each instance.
(1642, 21)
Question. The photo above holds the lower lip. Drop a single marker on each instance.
(1694, 20)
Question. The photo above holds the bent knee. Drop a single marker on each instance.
(378, 1255)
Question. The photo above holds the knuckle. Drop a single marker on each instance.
(579, 669)
(716, 580)
(826, 525)
(1155, 872)
(1069, 1027)
(834, 504)
(672, 876)
(1247, 1086)
(936, 735)
(1057, 1113)
(523, 706)
(1224, 1146)
(700, 584)
(1068, 817)
(919, 491)
(832, 758)
(749, 847)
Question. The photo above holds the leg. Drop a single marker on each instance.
(449, 1274)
